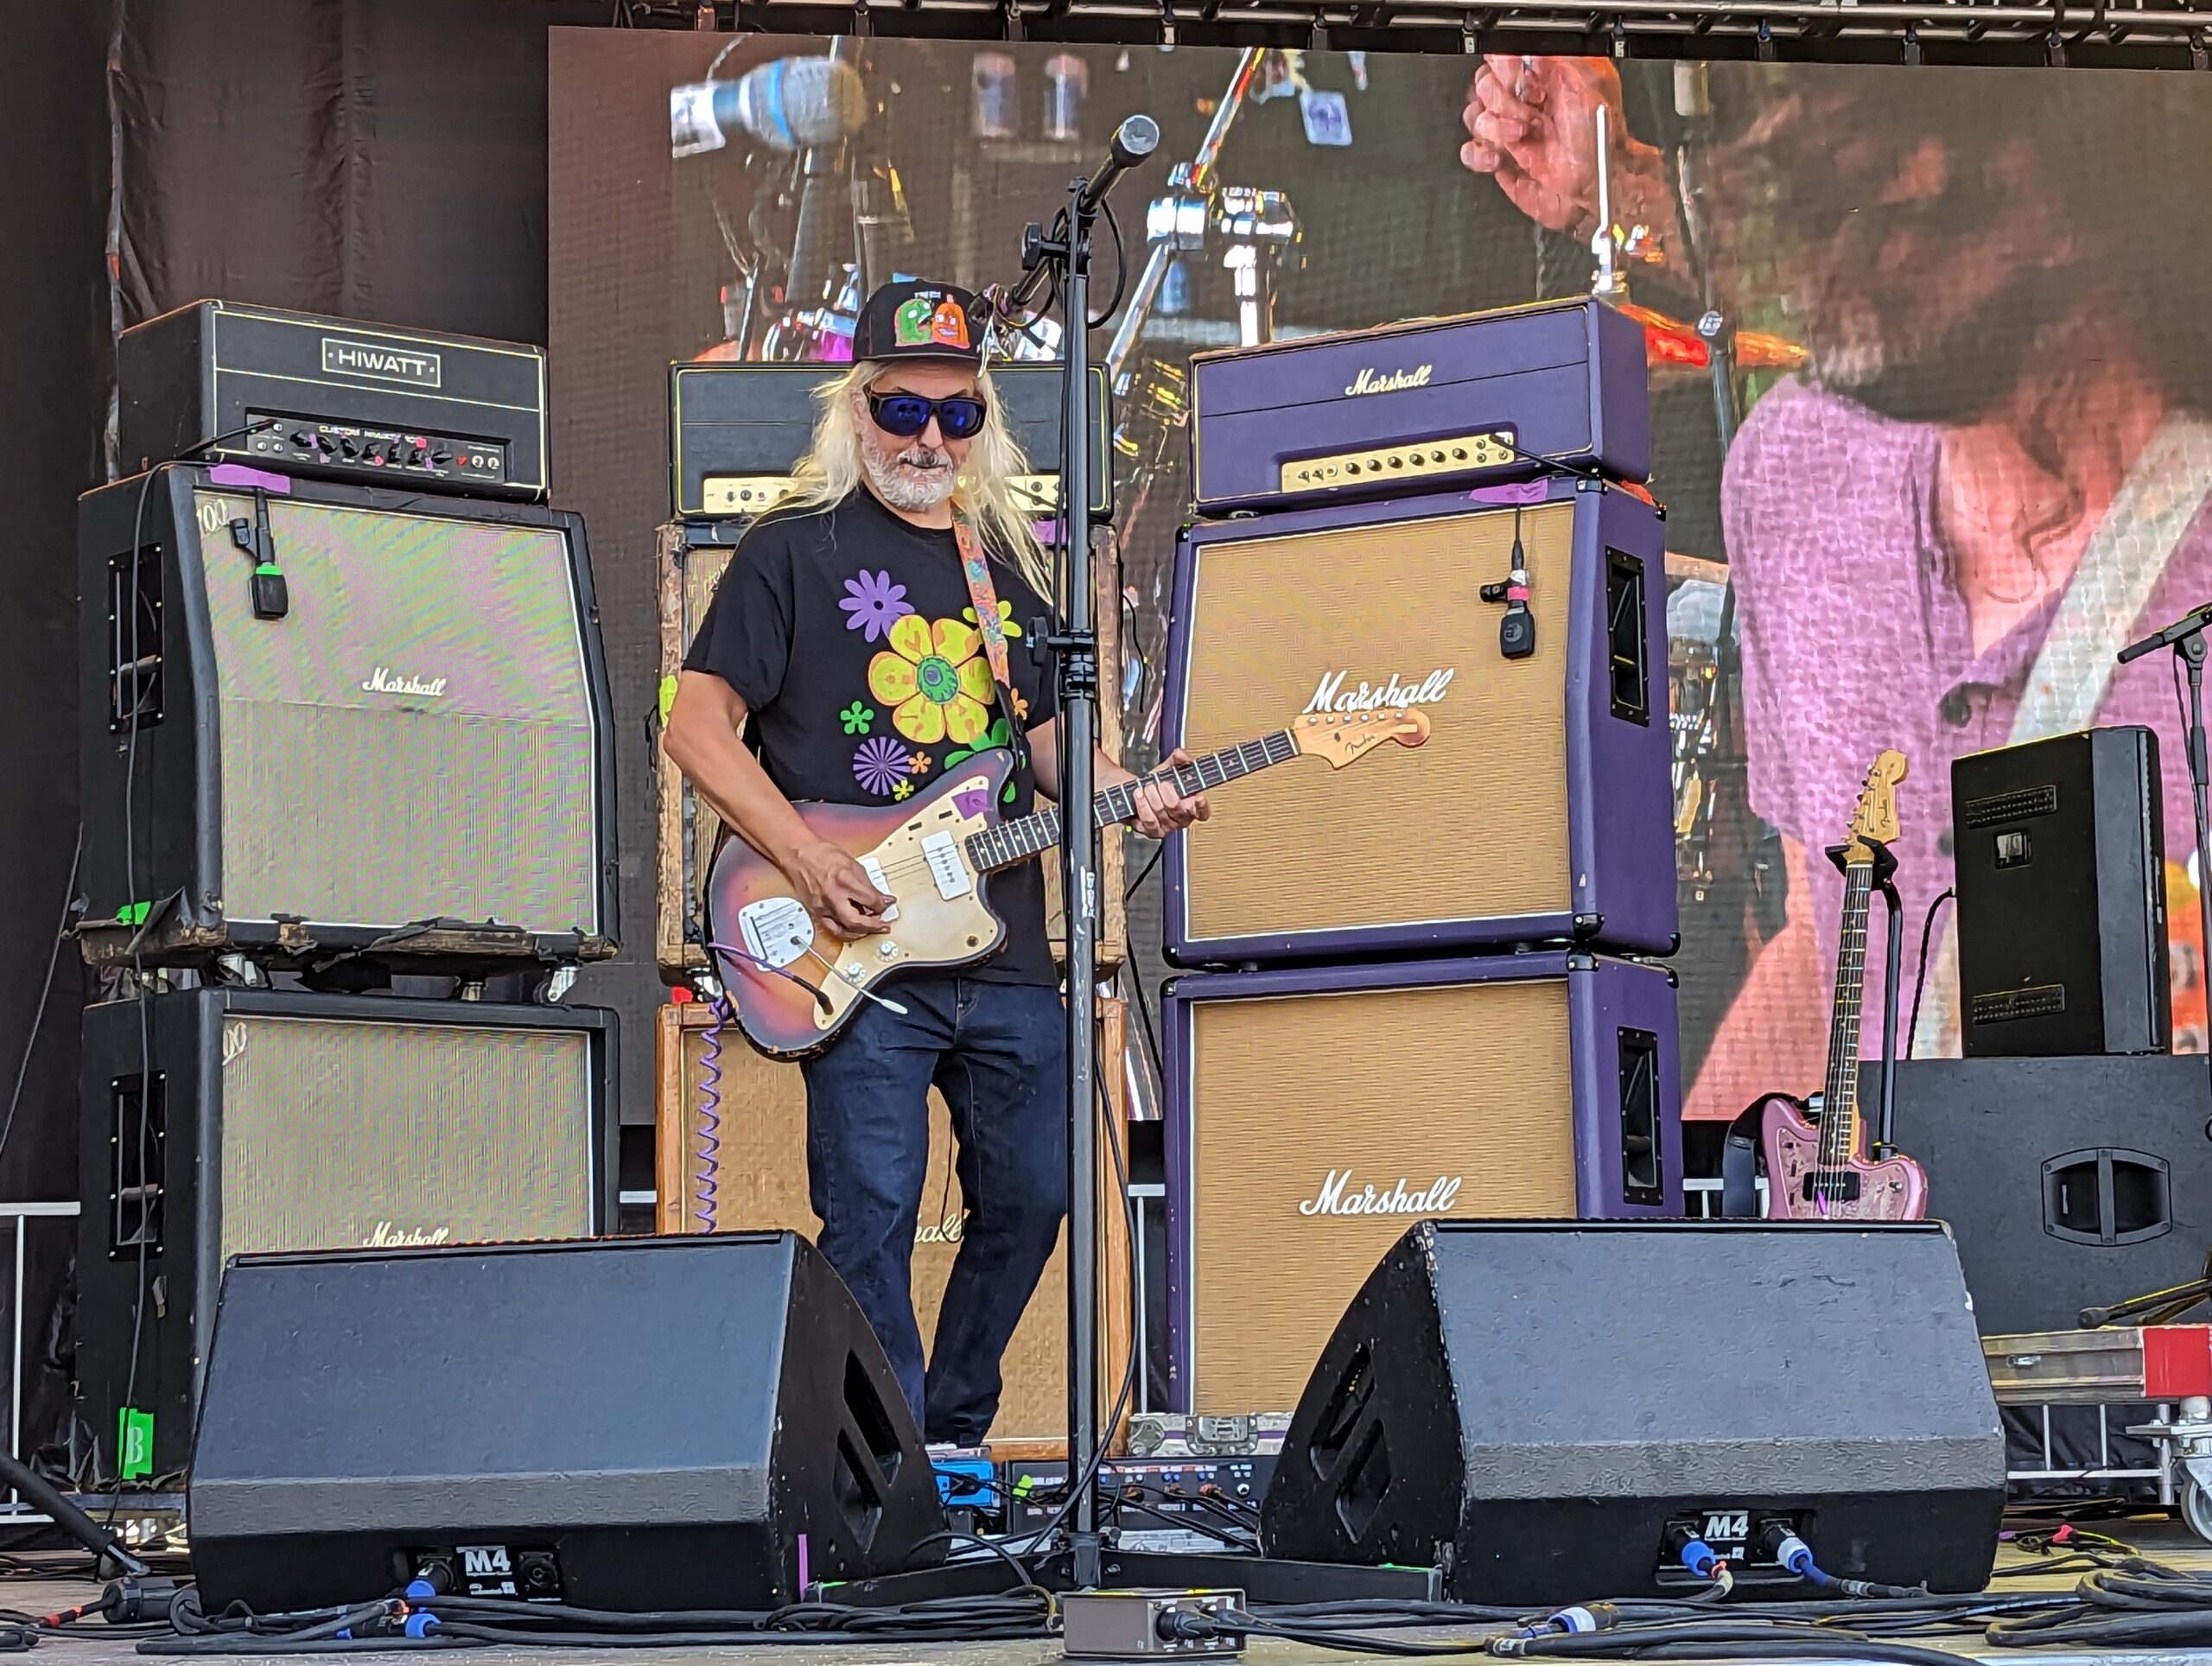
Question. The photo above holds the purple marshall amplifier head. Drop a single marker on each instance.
(1419, 406)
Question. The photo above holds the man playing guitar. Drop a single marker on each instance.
(857, 646)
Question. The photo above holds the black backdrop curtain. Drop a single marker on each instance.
(382, 159)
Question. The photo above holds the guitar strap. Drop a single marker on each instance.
(983, 597)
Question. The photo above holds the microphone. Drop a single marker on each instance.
(2187, 626)
(1133, 141)
(787, 104)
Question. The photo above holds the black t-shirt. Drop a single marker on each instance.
(849, 635)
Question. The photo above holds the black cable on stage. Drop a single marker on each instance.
(1920, 978)
(46, 988)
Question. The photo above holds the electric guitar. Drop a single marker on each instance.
(1822, 1172)
(795, 987)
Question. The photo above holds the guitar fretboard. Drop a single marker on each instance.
(1839, 1108)
(1016, 841)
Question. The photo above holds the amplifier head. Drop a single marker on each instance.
(736, 431)
(1541, 807)
(1312, 1115)
(421, 736)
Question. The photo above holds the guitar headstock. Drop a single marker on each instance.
(1876, 816)
(1341, 736)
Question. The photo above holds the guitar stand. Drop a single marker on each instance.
(1885, 867)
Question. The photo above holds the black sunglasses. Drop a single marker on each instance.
(960, 418)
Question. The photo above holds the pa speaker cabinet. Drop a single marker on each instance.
(254, 1120)
(1541, 1407)
(1539, 810)
(748, 1153)
(637, 1424)
(1310, 1114)
(2069, 1183)
(2060, 847)
(423, 735)
(693, 558)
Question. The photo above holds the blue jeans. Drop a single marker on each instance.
(997, 1053)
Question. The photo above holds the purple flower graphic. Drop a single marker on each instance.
(881, 764)
(874, 602)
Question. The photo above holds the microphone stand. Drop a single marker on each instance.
(1062, 257)
(2185, 636)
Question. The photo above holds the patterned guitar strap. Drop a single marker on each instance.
(983, 596)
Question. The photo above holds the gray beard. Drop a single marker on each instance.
(897, 482)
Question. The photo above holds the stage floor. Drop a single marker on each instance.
(2165, 1541)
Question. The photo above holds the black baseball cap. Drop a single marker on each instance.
(915, 318)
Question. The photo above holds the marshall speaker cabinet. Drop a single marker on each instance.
(1421, 407)
(739, 1160)
(279, 1120)
(1313, 1115)
(334, 713)
(1540, 809)
(333, 397)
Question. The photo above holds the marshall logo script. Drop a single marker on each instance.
(1394, 696)
(391, 1236)
(381, 681)
(344, 358)
(1397, 381)
(1336, 1197)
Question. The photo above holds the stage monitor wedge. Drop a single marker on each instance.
(1545, 1408)
(631, 1424)
(409, 759)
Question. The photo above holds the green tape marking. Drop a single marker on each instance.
(134, 1443)
(133, 913)
(667, 697)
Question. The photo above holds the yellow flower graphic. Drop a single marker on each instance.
(935, 680)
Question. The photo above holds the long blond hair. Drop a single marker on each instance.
(830, 471)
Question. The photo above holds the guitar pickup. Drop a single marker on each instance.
(943, 854)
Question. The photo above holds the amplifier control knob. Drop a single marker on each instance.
(1459, 453)
(1398, 462)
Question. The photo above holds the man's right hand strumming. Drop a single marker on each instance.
(836, 891)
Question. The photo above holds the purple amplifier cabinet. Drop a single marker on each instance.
(1410, 407)
(1313, 1115)
(1540, 810)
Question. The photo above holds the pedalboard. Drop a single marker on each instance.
(1206, 1491)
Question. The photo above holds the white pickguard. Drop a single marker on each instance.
(940, 919)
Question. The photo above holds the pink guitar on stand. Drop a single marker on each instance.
(1821, 1172)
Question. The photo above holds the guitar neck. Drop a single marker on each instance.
(1839, 1107)
(1018, 840)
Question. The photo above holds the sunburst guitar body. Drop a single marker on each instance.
(796, 986)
